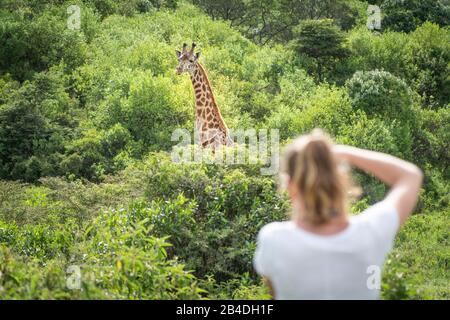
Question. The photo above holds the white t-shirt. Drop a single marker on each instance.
(346, 265)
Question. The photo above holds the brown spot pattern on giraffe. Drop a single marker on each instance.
(207, 110)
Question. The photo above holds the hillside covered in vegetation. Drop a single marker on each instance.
(88, 186)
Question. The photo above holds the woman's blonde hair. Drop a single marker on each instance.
(323, 185)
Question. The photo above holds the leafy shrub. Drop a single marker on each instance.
(429, 67)
(153, 112)
(33, 123)
(409, 15)
(325, 107)
(373, 134)
(229, 208)
(415, 268)
(437, 189)
(421, 58)
(129, 8)
(431, 138)
(321, 40)
(380, 94)
(115, 140)
(86, 104)
(33, 45)
(129, 255)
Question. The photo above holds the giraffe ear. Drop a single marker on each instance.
(197, 55)
(178, 53)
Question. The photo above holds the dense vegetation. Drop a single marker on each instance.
(86, 118)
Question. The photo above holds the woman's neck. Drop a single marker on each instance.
(335, 225)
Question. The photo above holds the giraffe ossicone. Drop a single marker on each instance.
(210, 126)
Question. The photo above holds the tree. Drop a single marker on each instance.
(408, 15)
(231, 10)
(35, 121)
(421, 58)
(430, 64)
(29, 45)
(274, 20)
(322, 41)
(382, 95)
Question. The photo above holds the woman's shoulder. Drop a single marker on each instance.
(377, 211)
(274, 228)
(381, 219)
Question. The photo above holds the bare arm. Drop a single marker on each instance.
(404, 178)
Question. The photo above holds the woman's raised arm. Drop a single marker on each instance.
(404, 178)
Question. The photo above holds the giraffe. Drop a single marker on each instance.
(210, 126)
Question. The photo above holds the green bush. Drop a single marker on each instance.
(133, 264)
(431, 138)
(430, 63)
(86, 118)
(415, 269)
(217, 232)
(33, 45)
(321, 40)
(34, 125)
(326, 107)
(407, 16)
(382, 95)
(372, 134)
(420, 58)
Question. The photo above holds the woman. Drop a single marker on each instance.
(322, 252)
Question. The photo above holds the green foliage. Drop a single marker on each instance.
(321, 40)
(373, 134)
(34, 123)
(380, 94)
(415, 269)
(274, 20)
(437, 195)
(408, 15)
(132, 264)
(326, 107)
(432, 139)
(431, 63)
(129, 7)
(86, 118)
(421, 58)
(216, 233)
(34, 43)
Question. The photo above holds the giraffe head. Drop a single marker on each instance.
(187, 60)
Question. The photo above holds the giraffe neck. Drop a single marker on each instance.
(206, 109)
